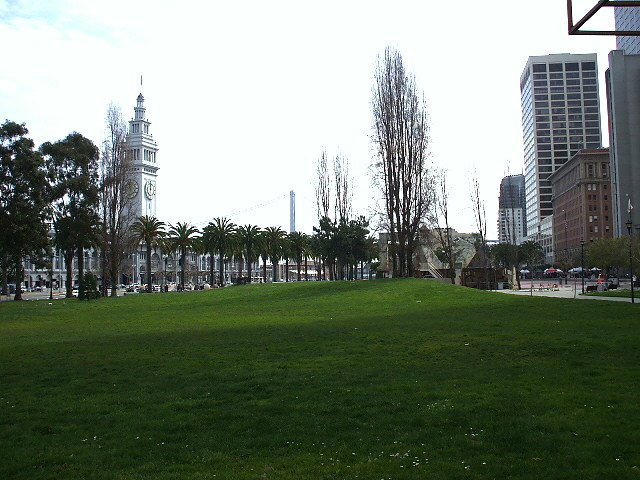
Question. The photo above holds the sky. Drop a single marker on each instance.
(244, 96)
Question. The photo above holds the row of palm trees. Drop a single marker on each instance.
(224, 239)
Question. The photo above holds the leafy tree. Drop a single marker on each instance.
(88, 289)
(182, 238)
(249, 238)
(24, 203)
(611, 252)
(316, 250)
(73, 164)
(530, 253)
(322, 245)
(151, 231)
(65, 239)
(507, 255)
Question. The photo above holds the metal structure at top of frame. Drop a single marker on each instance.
(574, 29)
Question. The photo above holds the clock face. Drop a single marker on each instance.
(150, 189)
(131, 188)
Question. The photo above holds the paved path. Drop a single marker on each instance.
(565, 291)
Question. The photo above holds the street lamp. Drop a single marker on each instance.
(165, 258)
(629, 225)
(582, 262)
(51, 280)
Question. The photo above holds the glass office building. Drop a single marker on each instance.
(560, 116)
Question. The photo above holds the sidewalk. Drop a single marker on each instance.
(565, 291)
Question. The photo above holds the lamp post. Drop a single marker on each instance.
(51, 280)
(582, 262)
(629, 226)
(165, 258)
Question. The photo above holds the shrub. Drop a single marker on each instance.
(89, 287)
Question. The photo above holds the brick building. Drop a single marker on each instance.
(582, 203)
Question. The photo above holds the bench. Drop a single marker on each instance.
(612, 286)
(591, 288)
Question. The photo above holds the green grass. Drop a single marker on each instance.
(622, 293)
(400, 379)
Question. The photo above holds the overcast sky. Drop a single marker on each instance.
(243, 96)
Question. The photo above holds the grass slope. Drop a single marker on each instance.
(399, 379)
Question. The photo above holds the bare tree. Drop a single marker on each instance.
(323, 187)
(481, 224)
(117, 215)
(444, 231)
(401, 135)
(342, 183)
(508, 196)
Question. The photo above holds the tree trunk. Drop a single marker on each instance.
(264, 270)
(113, 276)
(240, 268)
(149, 282)
(221, 255)
(80, 253)
(5, 274)
(68, 262)
(19, 278)
(183, 259)
(103, 273)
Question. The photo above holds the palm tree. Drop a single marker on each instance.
(222, 231)
(264, 253)
(182, 237)
(273, 237)
(299, 244)
(209, 247)
(151, 231)
(249, 237)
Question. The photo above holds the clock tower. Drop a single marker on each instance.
(141, 186)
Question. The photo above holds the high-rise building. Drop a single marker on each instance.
(560, 116)
(141, 187)
(623, 99)
(512, 224)
(627, 18)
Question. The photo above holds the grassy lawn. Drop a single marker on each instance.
(622, 293)
(397, 379)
